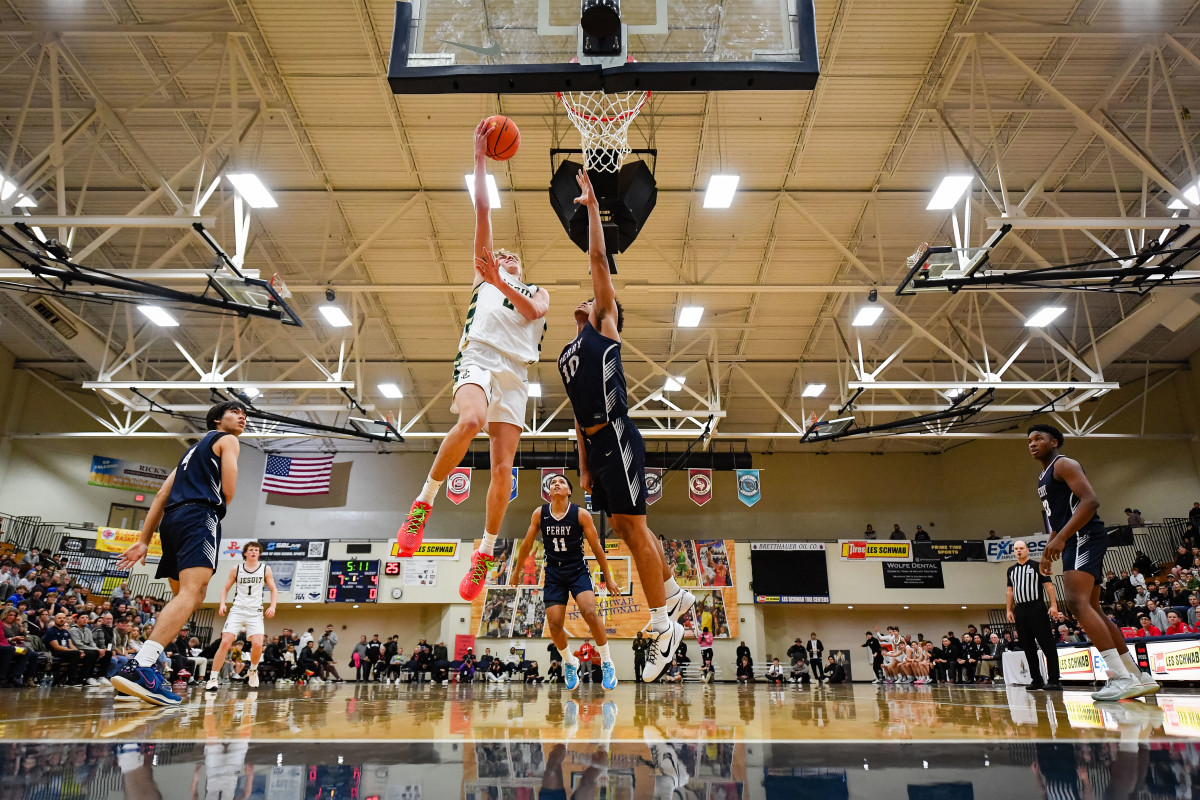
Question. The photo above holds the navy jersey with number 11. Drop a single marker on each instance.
(562, 538)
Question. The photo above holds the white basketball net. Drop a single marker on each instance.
(603, 121)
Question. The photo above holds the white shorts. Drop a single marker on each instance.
(504, 380)
(237, 617)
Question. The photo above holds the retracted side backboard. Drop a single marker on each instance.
(538, 46)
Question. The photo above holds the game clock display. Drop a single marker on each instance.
(353, 582)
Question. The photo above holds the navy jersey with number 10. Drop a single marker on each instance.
(591, 370)
(562, 538)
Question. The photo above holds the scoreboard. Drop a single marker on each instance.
(353, 582)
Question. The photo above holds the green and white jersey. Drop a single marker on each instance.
(493, 320)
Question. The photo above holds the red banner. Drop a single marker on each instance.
(653, 479)
(462, 643)
(700, 485)
(458, 484)
(547, 474)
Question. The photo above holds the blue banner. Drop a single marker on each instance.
(748, 487)
(512, 495)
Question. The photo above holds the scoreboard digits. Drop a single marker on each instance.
(353, 582)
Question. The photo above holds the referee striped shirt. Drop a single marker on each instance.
(1026, 582)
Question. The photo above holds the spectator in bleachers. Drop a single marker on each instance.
(307, 662)
(673, 674)
(743, 652)
(1183, 560)
(1157, 616)
(869, 533)
(58, 640)
(897, 533)
(554, 671)
(1142, 566)
(1141, 597)
(358, 659)
(992, 535)
(81, 637)
(1065, 635)
(531, 673)
(945, 661)
(921, 535)
(496, 672)
(32, 559)
(16, 668)
(968, 660)
(1193, 611)
(1147, 629)
(775, 673)
(1189, 580)
(1191, 533)
(1134, 518)
(991, 660)
(1108, 591)
(707, 671)
(745, 670)
(1176, 626)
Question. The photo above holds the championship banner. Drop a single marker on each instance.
(700, 485)
(511, 605)
(512, 495)
(458, 485)
(118, 540)
(855, 550)
(653, 479)
(547, 474)
(943, 550)
(1002, 549)
(748, 488)
(117, 473)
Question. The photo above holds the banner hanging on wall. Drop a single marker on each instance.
(944, 550)
(118, 540)
(278, 549)
(748, 487)
(855, 550)
(706, 567)
(653, 478)
(1002, 549)
(308, 582)
(547, 474)
(913, 575)
(117, 473)
(458, 485)
(700, 485)
(512, 495)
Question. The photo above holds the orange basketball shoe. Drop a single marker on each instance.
(413, 529)
(472, 582)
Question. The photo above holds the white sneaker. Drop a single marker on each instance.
(877, 681)
(105, 682)
(1147, 682)
(211, 686)
(315, 682)
(1125, 687)
(253, 679)
(662, 649)
(93, 682)
(679, 604)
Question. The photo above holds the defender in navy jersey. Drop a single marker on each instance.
(612, 454)
(187, 513)
(563, 527)
(1077, 535)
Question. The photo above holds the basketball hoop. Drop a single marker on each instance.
(603, 121)
(915, 258)
(280, 287)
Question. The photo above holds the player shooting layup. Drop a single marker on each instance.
(189, 506)
(612, 454)
(1078, 536)
(501, 338)
(564, 526)
(250, 576)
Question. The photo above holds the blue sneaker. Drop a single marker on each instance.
(571, 676)
(609, 671)
(609, 711)
(146, 683)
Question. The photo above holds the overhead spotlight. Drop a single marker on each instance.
(251, 392)
(873, 295)
(330, 295)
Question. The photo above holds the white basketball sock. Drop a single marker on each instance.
(148, 655)
(658, 619)
(568, 656)
(429, 492)
(602, 649)
(489, 544)
(1112, 659)
(670, 586)
(1130, 664)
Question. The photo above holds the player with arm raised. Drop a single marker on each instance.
(501, 337)
(611, 451)
(249, 577)
(190, 505)
(1078, 536)
(563, 527)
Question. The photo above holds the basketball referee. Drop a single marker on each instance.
(1027, 608)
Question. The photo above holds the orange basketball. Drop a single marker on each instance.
(503, 139)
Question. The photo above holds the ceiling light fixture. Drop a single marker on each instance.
(813, 390)
(493, 191)
(1192, 193)
(7, 187)
(689, 316)
(947, 195)
(674, 384)
(252, 190)
(251, 392)
(159, 316)
(391, 391)
(1044, 316)
(535, 390)
(334, 316)
(720, 192)
(867, 316)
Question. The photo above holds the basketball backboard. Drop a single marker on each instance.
(527, 47)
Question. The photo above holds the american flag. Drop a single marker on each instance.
(285, 475)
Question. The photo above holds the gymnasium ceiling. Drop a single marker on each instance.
(1068, 108)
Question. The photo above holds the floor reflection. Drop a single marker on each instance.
(1130, 767)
